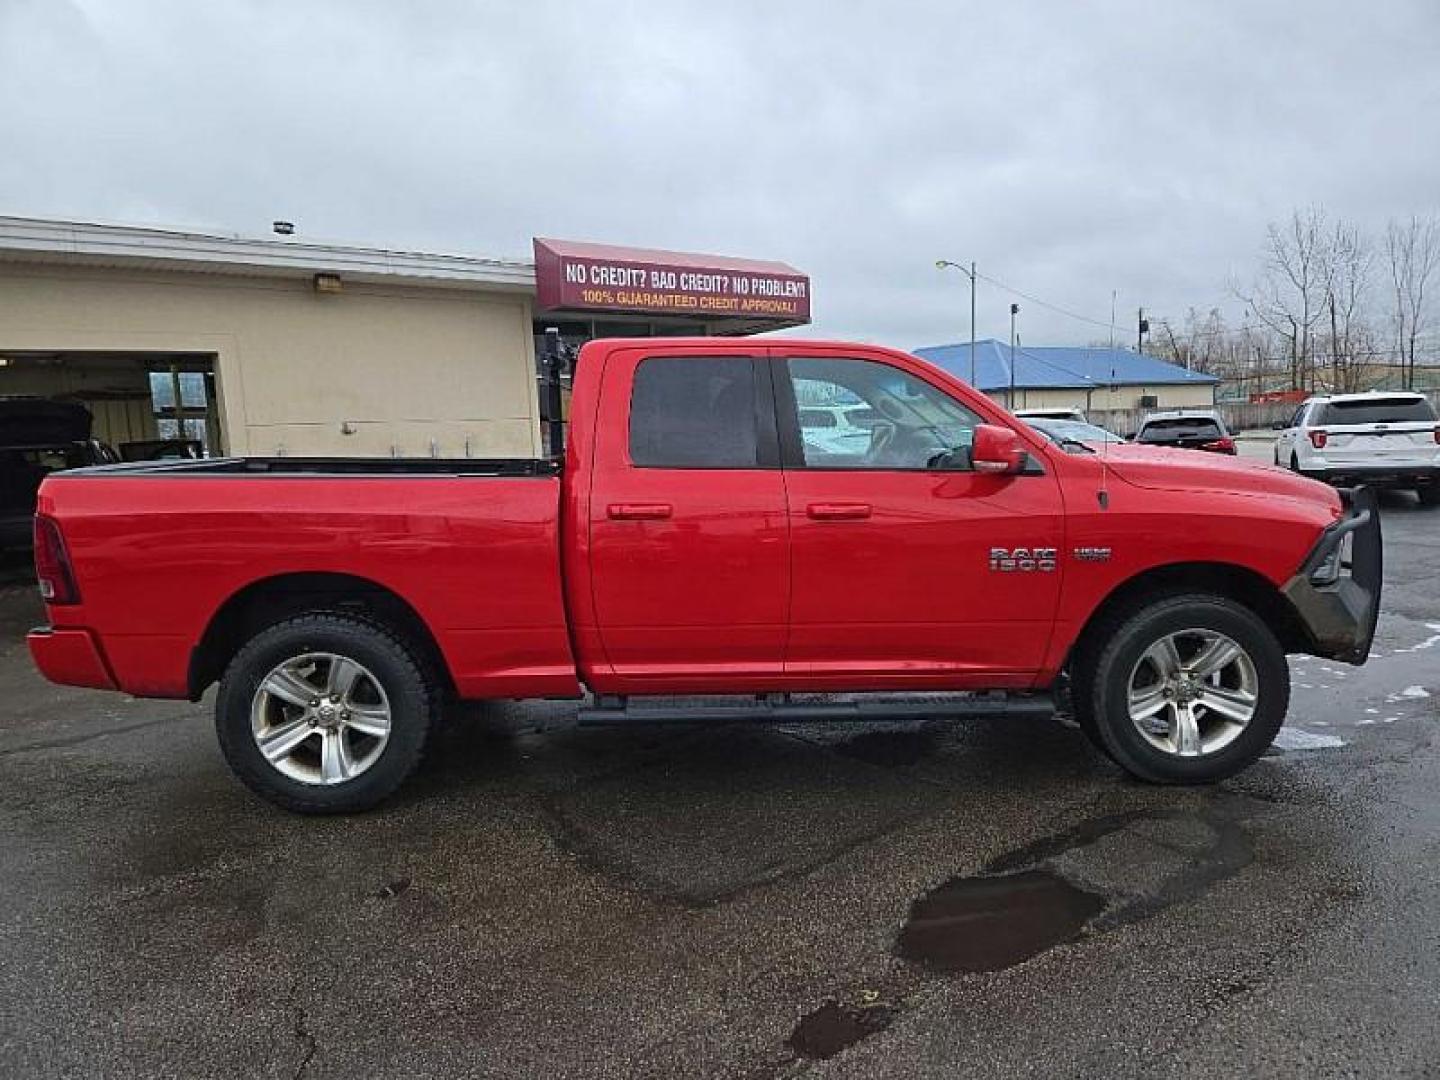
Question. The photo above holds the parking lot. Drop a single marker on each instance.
(975, 898)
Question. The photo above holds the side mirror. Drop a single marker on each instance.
(1130, 436)
(1279, 425)
(997, 450)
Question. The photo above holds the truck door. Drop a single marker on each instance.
(689, 553)
(908, 568)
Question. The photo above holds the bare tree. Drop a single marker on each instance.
(1346, 261)
(1289, 296)
(1413, 251)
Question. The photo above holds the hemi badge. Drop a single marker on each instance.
(1092, 554)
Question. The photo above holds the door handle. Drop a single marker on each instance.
(639, 511)
(838, 511)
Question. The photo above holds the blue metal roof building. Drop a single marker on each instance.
(1059, 368)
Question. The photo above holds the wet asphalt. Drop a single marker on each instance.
(986, 898)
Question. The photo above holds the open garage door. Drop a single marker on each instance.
(144, 405)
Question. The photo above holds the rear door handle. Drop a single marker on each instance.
(838, 511)
(639, 511)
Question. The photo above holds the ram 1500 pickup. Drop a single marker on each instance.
(705, 535)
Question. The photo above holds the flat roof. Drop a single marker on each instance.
(41, 240)
(1058, 367)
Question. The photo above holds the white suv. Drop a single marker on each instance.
(1386, 439)
(1052, 414)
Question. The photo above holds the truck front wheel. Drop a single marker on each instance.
(1188, 689)
(324, 713)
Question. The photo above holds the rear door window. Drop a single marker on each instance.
(694, 413)
(1377, 411)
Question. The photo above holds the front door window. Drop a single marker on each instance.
(859, 414)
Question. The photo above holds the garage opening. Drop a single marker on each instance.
(144, 406)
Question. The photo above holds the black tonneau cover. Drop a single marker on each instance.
(323, 466)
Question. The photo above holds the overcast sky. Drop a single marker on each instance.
(1070, 148)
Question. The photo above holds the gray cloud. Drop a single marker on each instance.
(1072, 149)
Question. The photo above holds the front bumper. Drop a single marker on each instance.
(1339, 614)
(69, 657)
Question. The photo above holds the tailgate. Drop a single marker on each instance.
(1408, 443)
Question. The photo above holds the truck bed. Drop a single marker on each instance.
(470, 546)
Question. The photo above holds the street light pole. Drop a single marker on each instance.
(1010, 401)
(941, 264)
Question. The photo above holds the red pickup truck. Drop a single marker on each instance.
(814, 530)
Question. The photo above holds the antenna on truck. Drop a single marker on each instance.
(554, 361)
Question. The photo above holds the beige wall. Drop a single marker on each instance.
(1121, 397)
(402, 366)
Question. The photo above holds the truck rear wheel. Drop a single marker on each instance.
(324, 713)
(1188, 689)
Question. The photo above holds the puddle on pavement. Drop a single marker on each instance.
(834, 1027)
(989, 923)
(889, 747)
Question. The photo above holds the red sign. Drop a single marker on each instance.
(598, 277)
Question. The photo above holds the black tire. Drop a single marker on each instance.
(1106, 672)
(413, 704)
(1294, 463)
(1429, 495)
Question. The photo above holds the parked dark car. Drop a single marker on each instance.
(162, 450)
(1190, 429)
(37, 437)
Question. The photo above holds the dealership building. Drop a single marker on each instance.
(284, 346)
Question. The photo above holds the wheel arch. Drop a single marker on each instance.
(272, 600)
(1244, 586)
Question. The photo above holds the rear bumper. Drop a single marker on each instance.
(1377, 475)
(1339, 614)
(69, 657)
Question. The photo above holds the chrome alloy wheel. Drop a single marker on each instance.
(1192, 692)
(320, 718)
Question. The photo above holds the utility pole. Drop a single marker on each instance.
(942, 264)
(1010, 400)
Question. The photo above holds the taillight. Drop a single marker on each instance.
(1223, 446)
(52, 564)
(1318, 439)
(1437, 434)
